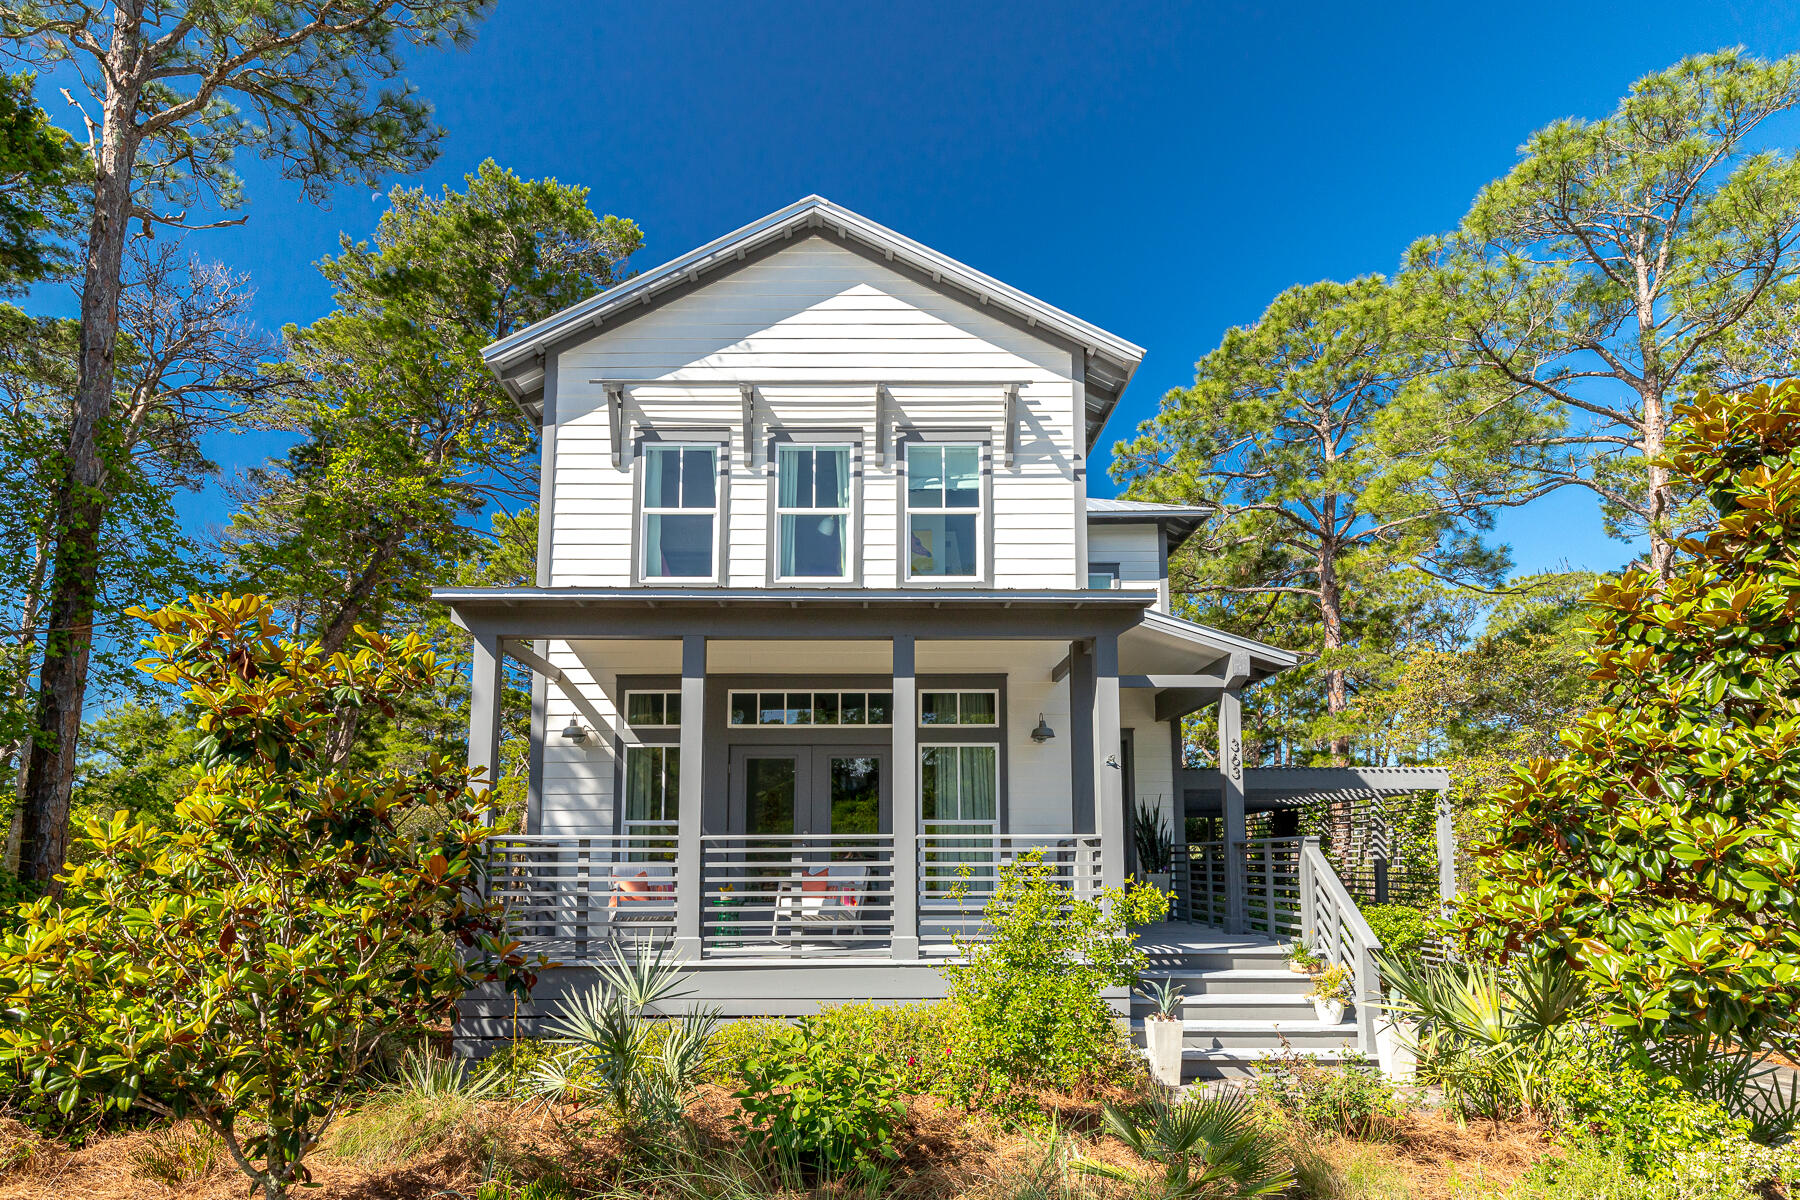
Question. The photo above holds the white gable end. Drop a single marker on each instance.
(815, 327)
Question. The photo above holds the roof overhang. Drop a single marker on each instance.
(517, 360)
(1178, 522)
(595, 613)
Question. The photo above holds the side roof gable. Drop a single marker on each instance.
(517, 360)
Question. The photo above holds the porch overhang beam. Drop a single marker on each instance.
(531, 614)
(1175, 703)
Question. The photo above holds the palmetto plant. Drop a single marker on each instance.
(621, 1047)
(1485, 1030)
(1211, 1146)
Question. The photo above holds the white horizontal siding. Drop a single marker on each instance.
(818, 311)
(1138, 551)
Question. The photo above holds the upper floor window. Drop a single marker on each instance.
(812, 512)
(943, 511)
(1103, 576)
(681, 511)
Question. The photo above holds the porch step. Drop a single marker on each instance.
(1262, 1034)
(1246, 956)
(1200, 982)
(1286, 1007)
(1239, 1064)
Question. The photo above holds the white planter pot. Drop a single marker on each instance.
(1397, 1046)
(1330, 1011)
(1162, 1046)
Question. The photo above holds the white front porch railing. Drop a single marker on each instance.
(959, 865)
(796, 894)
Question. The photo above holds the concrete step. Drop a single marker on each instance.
(1244, 979)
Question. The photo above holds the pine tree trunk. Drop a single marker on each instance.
(81, 487)
(1331, 620)
(1659, 502)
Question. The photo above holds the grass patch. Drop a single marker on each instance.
(179, 1154)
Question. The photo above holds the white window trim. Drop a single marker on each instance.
(665, 693)
(992, 825)
(852, 547)
(959, 693)
(721, 483)
(627, 824)
(983, 512)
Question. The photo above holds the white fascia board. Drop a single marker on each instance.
(815, 210)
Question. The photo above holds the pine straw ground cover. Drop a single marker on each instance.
(945, 1154)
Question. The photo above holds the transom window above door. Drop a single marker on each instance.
(959, 708)
(943, 511)
(812, 708)
(681, 511)
(653, 708)
(812, 512)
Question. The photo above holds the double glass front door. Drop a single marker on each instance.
(814, 791)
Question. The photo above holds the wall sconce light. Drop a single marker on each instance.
(1043, 732)
(575, 731)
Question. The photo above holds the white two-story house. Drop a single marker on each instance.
(826, 624)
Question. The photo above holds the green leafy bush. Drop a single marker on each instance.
(1735, 1169)
(1402, 931)
(1032, 993)
(1353, 1099)
(817, 1105)
(254, 960)
(1647, 1121)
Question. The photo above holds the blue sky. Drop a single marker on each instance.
(1160, 170)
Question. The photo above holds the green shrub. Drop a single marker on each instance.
(1644, 1120)
(1353, 1099)
(1403, 931)
(1032, 993)
(247, 968)
(817, 1105)
(1735, 1169)
(1210, 1146)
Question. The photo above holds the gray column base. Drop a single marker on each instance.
(904, 949)
(685, 948)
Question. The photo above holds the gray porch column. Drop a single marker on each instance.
(906, 800)
(688, 851)
(1109, 769)
(1081, 739)
(1231, 775)
(484, 706)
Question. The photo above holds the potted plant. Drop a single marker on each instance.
(1162, 1032)
(1396, 1040)
(1155, 846)
(1302, 961)
(1331, 991)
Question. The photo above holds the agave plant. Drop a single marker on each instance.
(1165, 996)
(1208, 1146)
(621, 1046)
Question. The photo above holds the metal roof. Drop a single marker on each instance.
(1111, 360)
(1179, 521)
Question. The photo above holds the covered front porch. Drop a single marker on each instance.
(767, 778)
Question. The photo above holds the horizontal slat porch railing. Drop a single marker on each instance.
(1198, 877)
(796, 894)
(959, 864)
(1272, 885)
(567, 896)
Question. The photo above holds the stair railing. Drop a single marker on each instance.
(1333, 928)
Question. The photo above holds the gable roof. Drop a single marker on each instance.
(517, 359)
